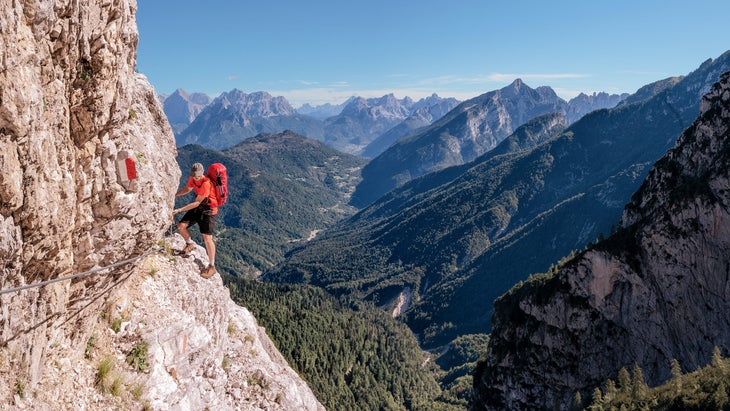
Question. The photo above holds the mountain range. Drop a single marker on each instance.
(235, 116)
(458, 238)
(100, 310)
(360, 126)
(423, 113)
(363, 121)
(466, 132)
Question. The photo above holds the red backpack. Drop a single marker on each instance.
(219, 177)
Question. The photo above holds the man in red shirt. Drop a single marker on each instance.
(201, 211)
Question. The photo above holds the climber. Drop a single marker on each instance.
(201, 211)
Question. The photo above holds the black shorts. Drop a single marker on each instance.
(202, 216)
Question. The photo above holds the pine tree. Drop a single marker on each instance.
(624, 381)
(577, 402)
(676, 375)
(596, 401)
(610, 392)
(717, 358)
(639, 389)
(719, 397)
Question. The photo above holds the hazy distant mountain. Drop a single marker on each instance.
(283, 187)
(425, 112)
(466, 132)
(235, 116)
(323, 111)
(583, 104)
(181, 108)
(363, 120)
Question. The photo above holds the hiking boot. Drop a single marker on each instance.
(188, 248)
(208, 272)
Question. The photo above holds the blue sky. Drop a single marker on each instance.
(320, 51)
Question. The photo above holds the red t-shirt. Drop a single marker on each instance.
(204, 187)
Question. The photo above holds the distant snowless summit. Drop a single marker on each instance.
(583, 104)
(323, 111)
(182, 107)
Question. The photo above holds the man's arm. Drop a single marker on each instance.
(183, 191)
(199, 199)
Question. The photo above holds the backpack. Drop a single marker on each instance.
(219, 177)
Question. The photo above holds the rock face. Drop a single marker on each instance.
(72, 108)
(87, 179)
(656, 290)
(172, 341)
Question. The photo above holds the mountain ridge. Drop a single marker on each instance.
(235, 115)
(469, 130)
(656, 288)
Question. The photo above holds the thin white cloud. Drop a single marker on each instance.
(450, 79)
(498, 78)
(232, 78)
(534, 76)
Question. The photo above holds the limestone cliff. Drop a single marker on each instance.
(87, 179)
(164, 338)
(656, 290)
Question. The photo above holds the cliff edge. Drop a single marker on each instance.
(87, 179)
(657, 290)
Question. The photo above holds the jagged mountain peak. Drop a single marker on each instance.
(325, 110)
(181, 108)
(256, 104)
(385, 106)
(517, 84)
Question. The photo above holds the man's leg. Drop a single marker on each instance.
(206, 228)
(182, 228)
(209, 247)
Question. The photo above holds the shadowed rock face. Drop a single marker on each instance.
(87, 179)
(656, 290)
